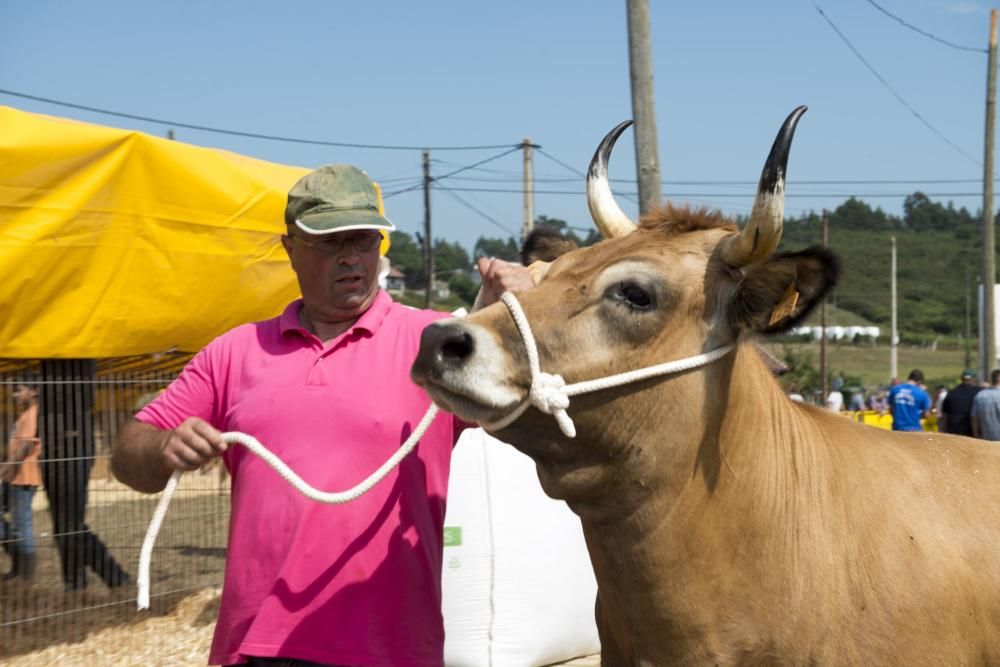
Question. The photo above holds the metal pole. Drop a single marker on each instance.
(647, 162)
(989, 243)
(894, 340)
(529, 214)
(428, 244)
(823, 373)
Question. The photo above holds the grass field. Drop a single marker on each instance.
(871, 363)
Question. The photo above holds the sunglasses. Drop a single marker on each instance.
(334, 244)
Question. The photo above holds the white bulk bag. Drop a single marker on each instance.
(518, 589)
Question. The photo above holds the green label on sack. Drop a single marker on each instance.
(452, 536)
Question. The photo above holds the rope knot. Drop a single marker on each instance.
(548, 393)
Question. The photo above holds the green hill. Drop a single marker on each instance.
(938, 264)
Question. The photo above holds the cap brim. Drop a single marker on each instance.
(329, 222)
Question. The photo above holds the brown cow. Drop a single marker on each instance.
(726, 524)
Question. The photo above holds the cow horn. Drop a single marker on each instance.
(763, 231)
(609, 218)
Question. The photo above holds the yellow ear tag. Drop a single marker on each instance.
(786, 306)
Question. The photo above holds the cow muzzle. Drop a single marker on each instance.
(465, 371)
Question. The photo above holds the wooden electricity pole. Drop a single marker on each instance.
(647, 161)
(529, 213)
(988, 324)
(824, 236)
(428, 246)
(893, 335)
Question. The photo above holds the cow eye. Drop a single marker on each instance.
(634, 296)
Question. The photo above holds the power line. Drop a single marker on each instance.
(788, 195)
(485, 216)
(580, 173)
(251, 135)
(452, 173)
(924, 32)
(504, 176)
(890, 88)
(561, 163)
(789, 182)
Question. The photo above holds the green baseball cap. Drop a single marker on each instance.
(335, 198)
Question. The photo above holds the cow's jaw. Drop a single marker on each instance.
(465, 371)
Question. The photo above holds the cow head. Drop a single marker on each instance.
(679, 283)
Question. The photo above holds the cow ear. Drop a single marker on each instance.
(777, 294)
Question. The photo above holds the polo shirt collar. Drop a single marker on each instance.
(369, 321)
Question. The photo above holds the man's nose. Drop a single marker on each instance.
(348, 255)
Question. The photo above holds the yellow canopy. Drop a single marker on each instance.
(115, 242)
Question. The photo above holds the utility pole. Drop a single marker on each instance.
(428, 245)
(824, 236)
(647, 161)
(989, 345)
(529, 187)
(968, 320)
(894, 336)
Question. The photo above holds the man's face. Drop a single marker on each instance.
(338, 272)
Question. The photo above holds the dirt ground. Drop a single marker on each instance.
(43, 625)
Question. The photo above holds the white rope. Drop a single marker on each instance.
(255, 447)
(550, 394)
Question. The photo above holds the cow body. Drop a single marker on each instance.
(726, 524)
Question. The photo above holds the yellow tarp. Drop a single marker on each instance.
(115, 242)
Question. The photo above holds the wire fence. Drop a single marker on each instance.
(72, 573)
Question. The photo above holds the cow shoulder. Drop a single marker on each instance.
(777, 294)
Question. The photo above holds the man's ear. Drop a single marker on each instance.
(779, 293)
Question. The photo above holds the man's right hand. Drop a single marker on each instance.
(192, 444)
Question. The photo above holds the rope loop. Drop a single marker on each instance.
(549, 392)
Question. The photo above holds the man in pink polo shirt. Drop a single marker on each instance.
(325, 386)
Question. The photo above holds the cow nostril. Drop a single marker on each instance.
(457, 348)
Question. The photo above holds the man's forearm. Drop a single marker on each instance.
(137, 457)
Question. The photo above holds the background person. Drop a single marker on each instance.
(909, 403)
(325, 386)
(66, 426)
(956, 409)
(985, 412)
(22, 477)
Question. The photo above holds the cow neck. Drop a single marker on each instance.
(549, 392)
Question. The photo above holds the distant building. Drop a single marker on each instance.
(836, 332)
(389, 277)
(394, 282)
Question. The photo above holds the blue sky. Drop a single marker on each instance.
(441, 74)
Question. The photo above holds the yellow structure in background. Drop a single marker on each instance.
(116, 242)
(884, 419)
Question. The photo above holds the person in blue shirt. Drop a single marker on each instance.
(909, 403)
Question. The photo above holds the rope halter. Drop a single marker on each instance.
(549, 392)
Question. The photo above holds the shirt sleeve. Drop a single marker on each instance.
(192, 394)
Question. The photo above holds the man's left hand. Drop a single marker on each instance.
(500, 276)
